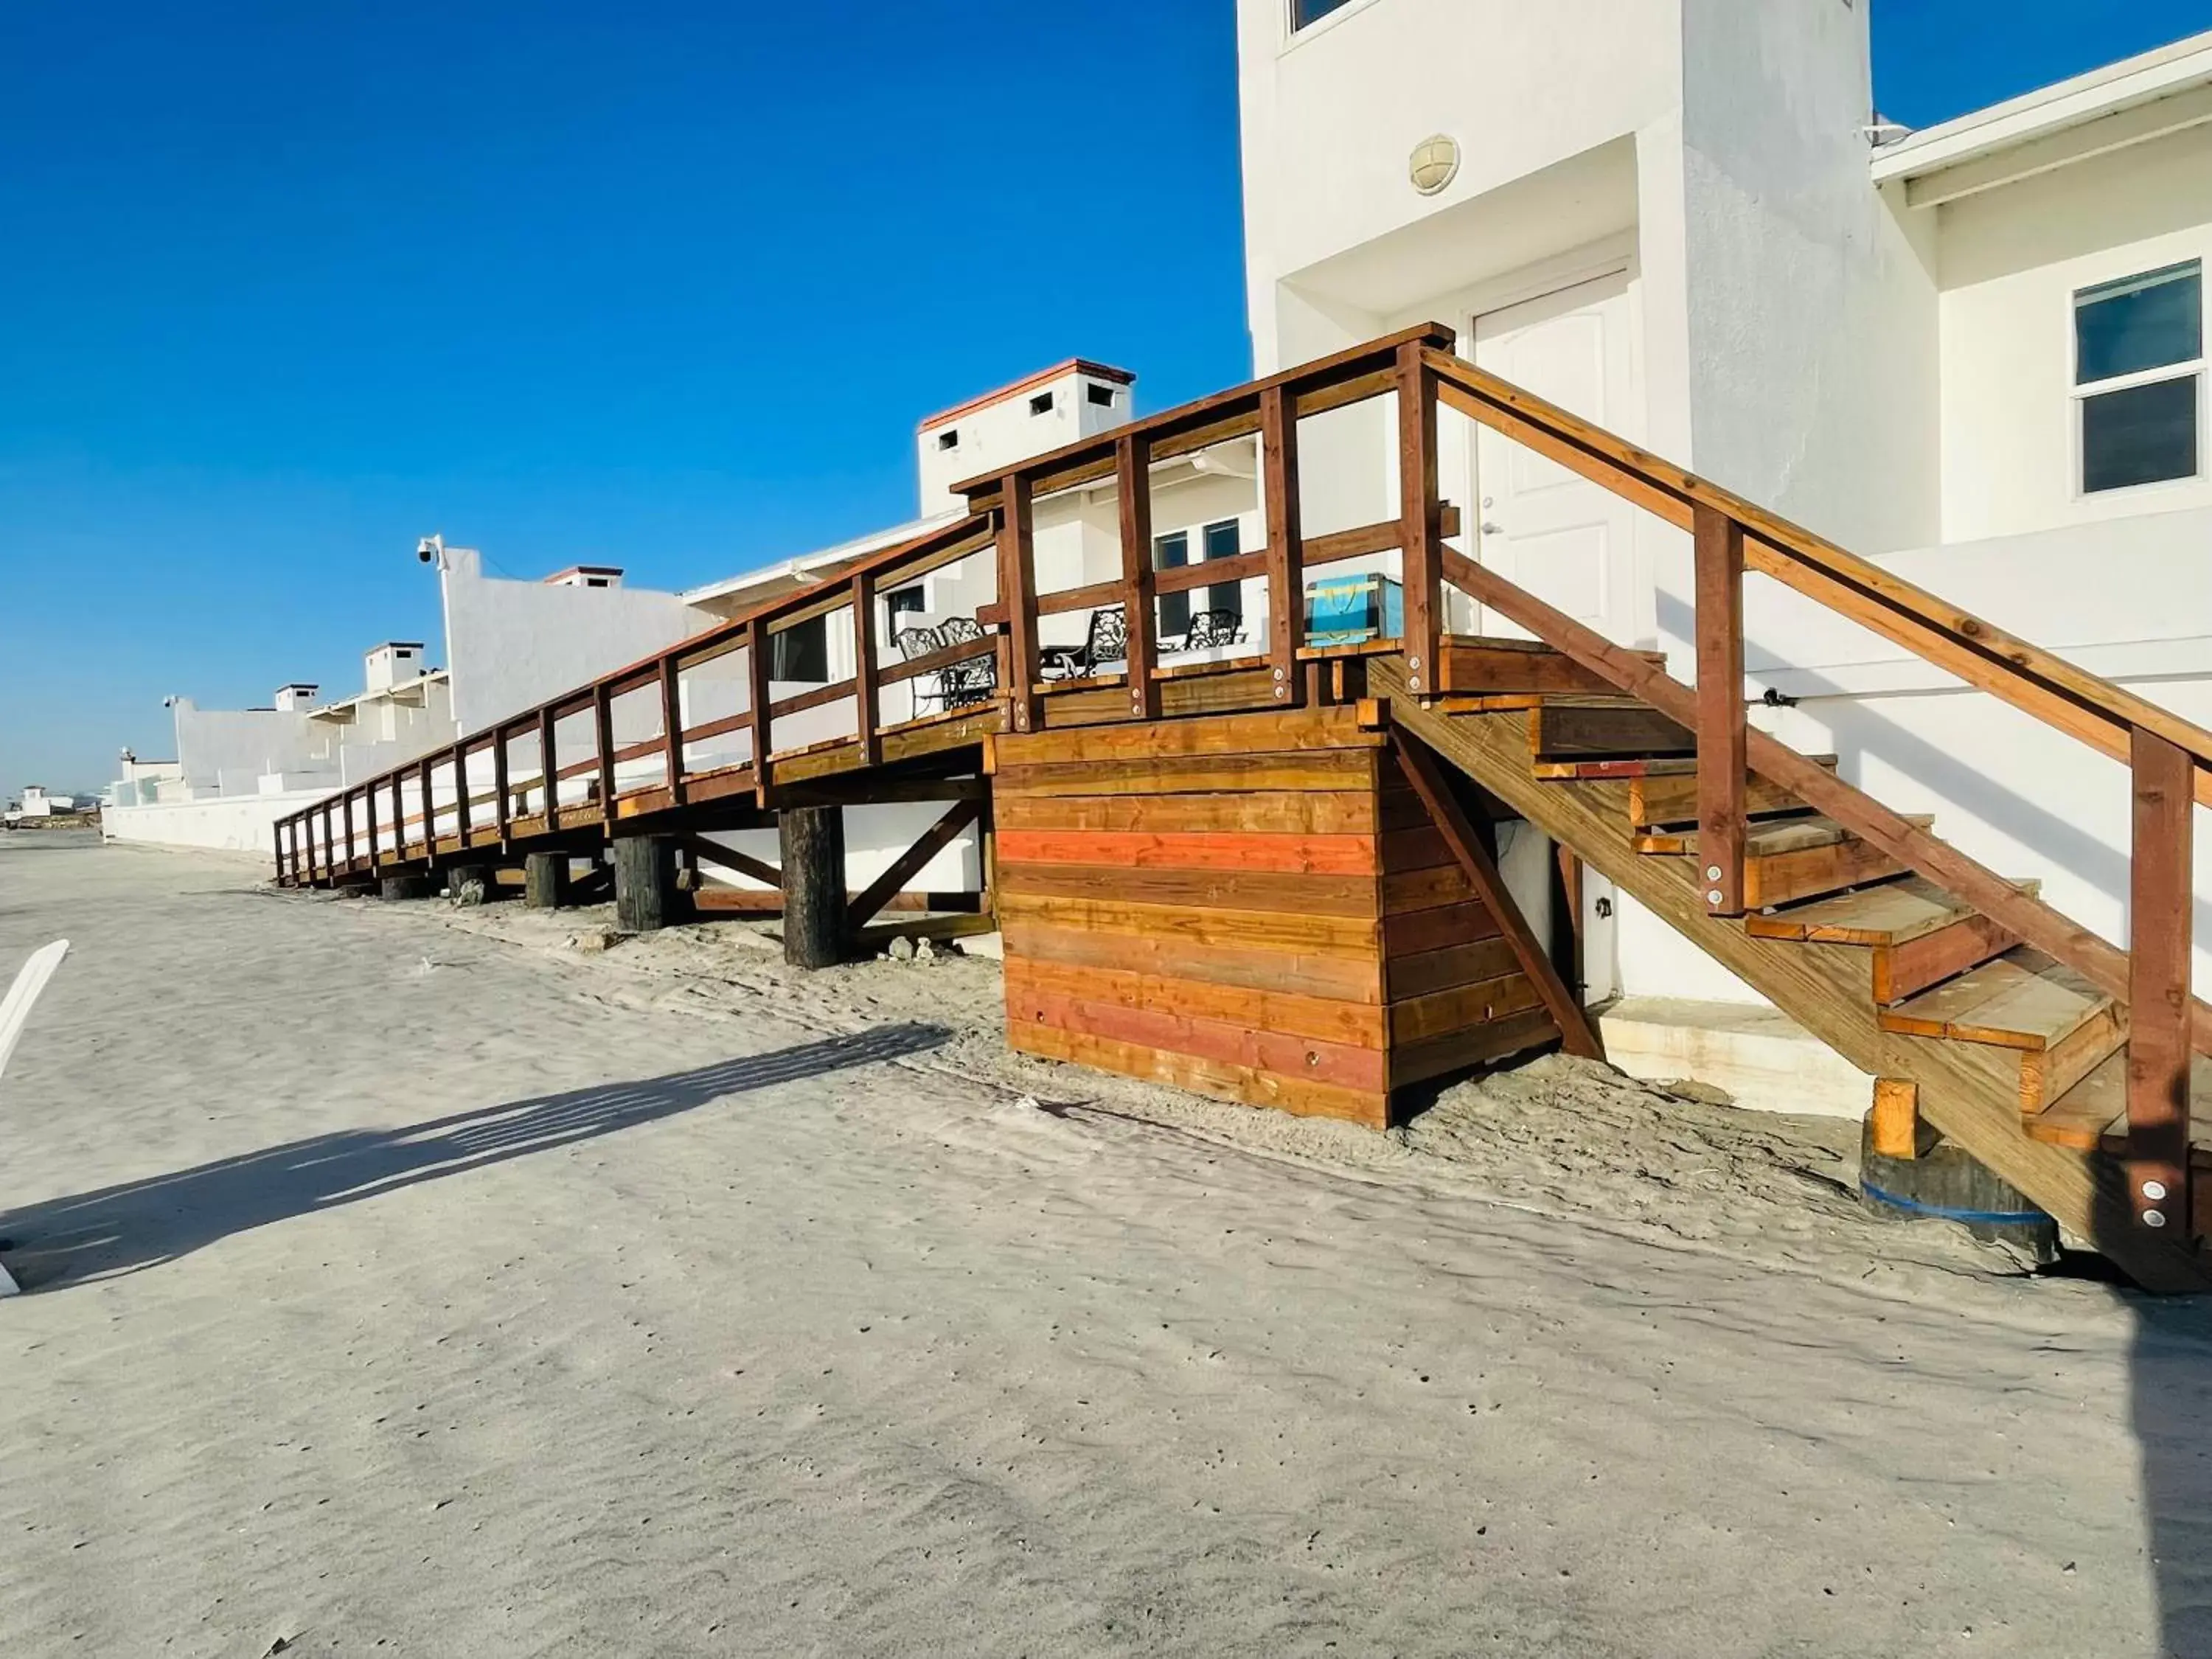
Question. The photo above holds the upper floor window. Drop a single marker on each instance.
(2139, 378)
(1306, 12)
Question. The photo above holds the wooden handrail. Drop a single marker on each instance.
(1978, 652)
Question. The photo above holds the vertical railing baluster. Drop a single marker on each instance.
(1018, 594)
(461, 814)
(503, 809)
(757, 651)
(1132, 475)
(864, 667)
(1420, 511)
(1721, 735)
(368, 810)
(425, 774)
(603, 740)
(345, 805)
(2160, 1003)
(549, 769)
(1286, 610)
(671, 728)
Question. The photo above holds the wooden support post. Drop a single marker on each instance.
(647, 895)
(398, 817)
(407, 887)
(1722, 740)
(1133, 478)
(472, 885)
(814, 931)
(423, 772)
(864, 667)
(330, 843)
(757, 649)
(909, 863)
(1286, 581)
(2159, 1001)
(1576, 1034)
(1421, 512)
(345, 806)
(369, 811)
(1017, 595)
(545, 881)
(503, 813)
(1894, 1123)
(602, 735)
(548, 769)
(671, 728)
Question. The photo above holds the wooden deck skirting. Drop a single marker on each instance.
(1255, 906)
(1230, 904)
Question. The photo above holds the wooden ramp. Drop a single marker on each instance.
(1262, 867)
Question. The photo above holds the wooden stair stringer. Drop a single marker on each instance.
(1970, 1094)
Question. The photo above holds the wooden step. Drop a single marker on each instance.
(1576, 727)
(1918, 934)
(1489, 667)
(2062, 1026)
(2092, 1115)
(1786, 859)
(1670, 796)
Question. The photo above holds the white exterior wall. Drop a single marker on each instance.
(1006, 430)
(211, 741)
(244, 824)
(513, 645)
(2012, 259)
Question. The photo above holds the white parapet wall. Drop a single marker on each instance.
(234, 823)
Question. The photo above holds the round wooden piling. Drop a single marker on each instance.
(815, 934)
(545, 881)
(647, 895)
(407, 887)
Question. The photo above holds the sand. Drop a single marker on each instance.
(407, 1280)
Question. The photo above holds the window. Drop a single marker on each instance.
(1042, 404)
(801, 652)
(950, 440)
(2138, 371)
(1222, 542)
(1102, 397)
(1173, 553)
(1304, 13)
(903, 601)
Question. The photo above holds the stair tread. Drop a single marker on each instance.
(1769, 837)
(2093, 1115)
(1893, 914)
(2022, 1000)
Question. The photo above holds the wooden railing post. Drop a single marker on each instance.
(503, 812)
(1018, 594)
(461, 791)
(603, 740)
(1133, 478)
(425, 772)
(671, 728)
(1722, 744)
(345, 808)
(1286, 606)
(1420, 511)
(2159, 1003)
(549, 769)
(369, 811)
(864, 667)
(329, 842)
(757, 693)
(398, 818)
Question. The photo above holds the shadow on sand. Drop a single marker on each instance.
(143, 1223)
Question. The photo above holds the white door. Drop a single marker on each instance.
(1564, 540)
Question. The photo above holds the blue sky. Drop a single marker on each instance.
(667, 286)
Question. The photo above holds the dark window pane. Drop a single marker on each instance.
(1172, 553)
(1222, 542)
(2144, 434)
(1304, 12)
(2144, 322)
(801, 652)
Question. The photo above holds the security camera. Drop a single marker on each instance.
(426, 549)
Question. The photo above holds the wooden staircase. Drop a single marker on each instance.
(2019, 1059)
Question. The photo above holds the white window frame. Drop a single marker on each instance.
(2081, 394)
(1296, 35)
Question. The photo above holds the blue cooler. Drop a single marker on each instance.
(1353, 610)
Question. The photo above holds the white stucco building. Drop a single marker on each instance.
(1974, 353)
